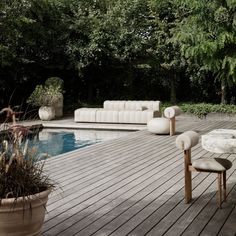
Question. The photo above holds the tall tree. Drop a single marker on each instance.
(164, 17)
(12, 13)
(208, 38)
(32, 41)
(106, 33)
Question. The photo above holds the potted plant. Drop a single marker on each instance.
(45, 97)
(24, 186)
(58, 105)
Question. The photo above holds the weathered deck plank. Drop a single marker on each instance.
(134, 186)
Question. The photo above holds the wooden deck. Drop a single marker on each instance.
(134, 186)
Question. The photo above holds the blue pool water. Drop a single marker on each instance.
(52, 143)
(56, 143)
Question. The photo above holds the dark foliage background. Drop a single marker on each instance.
(124, 49)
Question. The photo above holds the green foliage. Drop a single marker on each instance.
(55, 82)
(221, 15)
(118, 49)
(44, 95)
(166, 56)
(106, 31)
(208, 38)
(202, 109)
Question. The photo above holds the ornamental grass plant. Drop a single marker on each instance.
(21, 175)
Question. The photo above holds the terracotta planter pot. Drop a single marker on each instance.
(23, 217)
(46, 113)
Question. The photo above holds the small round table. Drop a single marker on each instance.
(220, 141)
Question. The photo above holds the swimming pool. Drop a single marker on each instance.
(55, 142)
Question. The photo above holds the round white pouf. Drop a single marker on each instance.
(159, 126)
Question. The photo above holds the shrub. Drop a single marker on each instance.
(55, 82)
(44, 95)
(202, 109)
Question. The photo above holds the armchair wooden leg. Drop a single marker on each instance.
(187, 176)
(219, 189)
(224, 185)
(188, 187)
(172, 126)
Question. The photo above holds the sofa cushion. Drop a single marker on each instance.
(120, 112)
(137, 117)
(133, 106)
(138, 105)
(107, 116)
(142, 108)
(114, 105)
(85, 115)
(152, 105)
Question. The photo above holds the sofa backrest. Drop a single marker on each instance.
(114, 105)
(132, 105)
(142, 105)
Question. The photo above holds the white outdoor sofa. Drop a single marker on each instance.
(132, 112)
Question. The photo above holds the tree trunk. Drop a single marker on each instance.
(90, 89)
(129, 81)
(223, 92)
(172, 89)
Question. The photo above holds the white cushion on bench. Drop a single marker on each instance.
(85, 115)
(107, 116)
(137, 117)
(120, 112)
(142, 105)
(114, 105)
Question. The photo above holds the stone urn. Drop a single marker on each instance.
(24, 216)
(46, 113)
(58, 106)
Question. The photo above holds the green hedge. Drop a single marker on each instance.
(202, 109)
